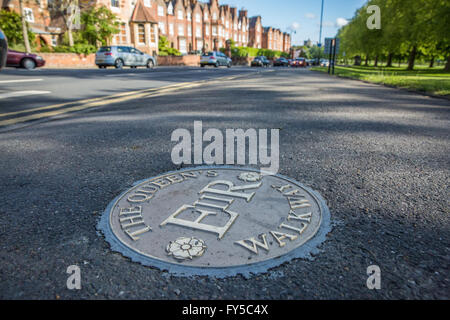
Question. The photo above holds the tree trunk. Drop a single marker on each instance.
(389, 60)
(24, 28)
(367, 60)
(376, 61)
(447, 65)
(432, 62)
(69, 33)
(412, 58)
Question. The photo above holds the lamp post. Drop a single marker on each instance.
(320, 34)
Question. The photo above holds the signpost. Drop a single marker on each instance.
(332, 46)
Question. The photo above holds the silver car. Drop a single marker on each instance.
(216, 59)
(120, 56)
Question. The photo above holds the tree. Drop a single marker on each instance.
(99, 25)
(24, 28)
(69, 10)
(11, 24)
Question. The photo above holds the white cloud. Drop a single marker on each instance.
(310, 15)
(294, 26)
(340, 22)
(327, 24)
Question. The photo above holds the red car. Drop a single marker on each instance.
(24, 60)
(299, 62)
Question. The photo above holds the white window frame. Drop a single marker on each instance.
(189, 16)
(148, 3)
(180, 15)
(189, 30)
(162, 27)
(170, 9)
(160, 11)
(29, 15)
(115, 4)
(180, 30)
(171, 29)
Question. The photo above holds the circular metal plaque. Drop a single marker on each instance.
(215, 219)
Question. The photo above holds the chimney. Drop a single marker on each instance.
(234, 12)
(242, 13)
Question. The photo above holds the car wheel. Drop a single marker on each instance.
(28, 64)
(202, 65)
(216, 65)
(118, 64)
(150, 64)
(229, 65)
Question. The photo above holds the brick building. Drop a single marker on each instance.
(189, 25)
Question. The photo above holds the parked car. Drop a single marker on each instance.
(281, 62)
(120, 56)
(216, 59)
(324, 63)
(3, 49)
(299, 62)
(260, 61)
(24, 60)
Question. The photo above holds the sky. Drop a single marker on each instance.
(301, 16)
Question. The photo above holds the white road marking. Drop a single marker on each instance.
(20, 80)
(21, 93)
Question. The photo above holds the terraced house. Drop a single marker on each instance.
(189, 25)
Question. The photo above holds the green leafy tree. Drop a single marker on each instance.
(164, 48)
(99, 25)
(11, 24)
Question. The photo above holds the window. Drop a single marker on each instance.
(180, 31)
(214, 31)
(162, 27)
(207, 30)
(121, 37)
(161, 11)
(258, 28)
(258, 39)
(189, 30)
(170, 9)
(214, 16)
(198, 32)
(227, 24)
(189, 16)
(148, 3)
(28, 13)
(115, 3)
(54, 40)
(180, 15)
(141, 33)
(206, 16)
(171, 29)
(197, 17)
(153, 35)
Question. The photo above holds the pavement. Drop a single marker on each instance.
(379, 156)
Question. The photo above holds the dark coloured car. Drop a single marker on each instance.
(24, 60)
(260, 61)
(3, 49)
(299, 62)
(281, 62)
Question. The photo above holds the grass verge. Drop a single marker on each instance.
(428, 80)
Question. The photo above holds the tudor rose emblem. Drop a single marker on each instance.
(215, 217)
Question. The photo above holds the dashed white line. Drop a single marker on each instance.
(22, 93)
(20, 80)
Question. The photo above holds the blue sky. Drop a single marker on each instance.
(302, 15)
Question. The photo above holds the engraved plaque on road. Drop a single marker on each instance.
(208, 219)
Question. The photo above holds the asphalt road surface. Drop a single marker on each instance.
(379, 156)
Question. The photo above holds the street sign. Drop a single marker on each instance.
(328, 45)
(206, 219)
